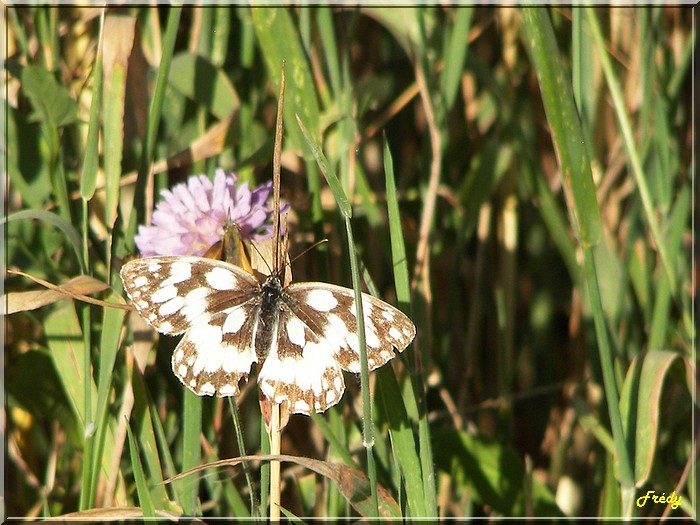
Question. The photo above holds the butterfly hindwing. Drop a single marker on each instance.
(301, 368)
(215, 354)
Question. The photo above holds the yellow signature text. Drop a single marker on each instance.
(671, 499)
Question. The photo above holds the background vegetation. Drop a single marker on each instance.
(542, 169)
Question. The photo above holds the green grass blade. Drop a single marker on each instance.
(336, 446)
(661, 318)
(143, 423)
(88, 179)
(565, 127)
(420, 485)
(110, 338)
(142, 488)
(456, 55)
(640, 402)
(242, 451)
(328, 172)
(221, 32)
(90, 474)
(403, 443)
(398, 246)
(631, 148)
(503, 391)
(114, 108)
(264, 471)
(583, 207)
(59, 222)
(200, 80)
(152, 123)
(68, 352)
(279, 41)
(330, 47)
(191, 450)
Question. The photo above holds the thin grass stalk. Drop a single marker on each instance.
(346, 212)
(242, 451)
(274, 429)
(154, 113)
(58, 176)
(430, 197)
(16, 26)
(88, 177)
(264, 469)
(631, 148)
(275, 433)
(423, 255)
(367, 422)
(142, 488)
(163, 447)
(625, 471)
(89, 476)
(330, 436)
(46, 25)
(93, 456)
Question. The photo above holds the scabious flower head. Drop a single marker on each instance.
(191, 216)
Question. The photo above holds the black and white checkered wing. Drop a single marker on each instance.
(317, 337)
(213, 303)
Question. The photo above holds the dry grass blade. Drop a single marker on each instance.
(352, 483)
(115, 514)
(274, 429)
(76, 288)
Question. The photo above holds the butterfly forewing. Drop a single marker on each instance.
(171, 293)
(330, 312)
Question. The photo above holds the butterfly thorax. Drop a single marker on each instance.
(268, 317)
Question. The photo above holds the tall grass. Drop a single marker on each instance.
(518, 180)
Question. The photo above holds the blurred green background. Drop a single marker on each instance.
(536, 164)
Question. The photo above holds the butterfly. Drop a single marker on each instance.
(301, 335)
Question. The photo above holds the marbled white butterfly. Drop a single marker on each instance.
(301, 336)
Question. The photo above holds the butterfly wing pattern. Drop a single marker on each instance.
(301, 336)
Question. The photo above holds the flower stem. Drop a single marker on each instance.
(275, 434)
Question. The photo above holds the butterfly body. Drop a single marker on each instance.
(268, 319)
(301, 335)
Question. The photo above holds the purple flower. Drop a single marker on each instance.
(191, 216)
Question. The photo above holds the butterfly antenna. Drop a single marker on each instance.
(276, 175)
(314, 245)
